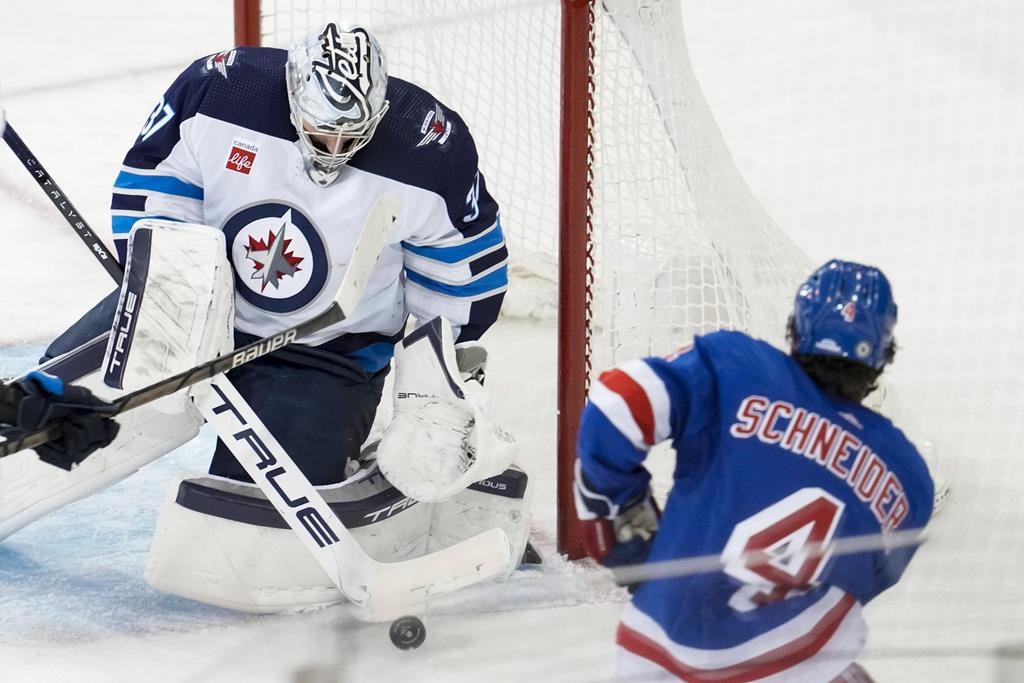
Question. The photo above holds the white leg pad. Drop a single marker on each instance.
(30, 488)
(174, 312)
(204, 550)
(501, 502)
(234, 565)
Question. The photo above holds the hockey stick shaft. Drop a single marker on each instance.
(59, 199)
(382, 590)
(371, 242)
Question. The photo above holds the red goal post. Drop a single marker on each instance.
(657, 236)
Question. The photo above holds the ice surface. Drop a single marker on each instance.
(887, 132)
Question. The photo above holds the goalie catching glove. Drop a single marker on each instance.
(441, 438)
(39, 400)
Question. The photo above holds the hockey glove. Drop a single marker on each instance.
(85, 420)
(625, 538)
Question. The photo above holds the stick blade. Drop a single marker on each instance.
(374, 236)
(398, 588)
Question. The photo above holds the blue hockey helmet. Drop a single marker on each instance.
(845, 309)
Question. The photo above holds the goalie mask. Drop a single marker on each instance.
(337, 80)
(845, 309)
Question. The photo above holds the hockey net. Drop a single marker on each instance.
(659, 238)
(628, 221)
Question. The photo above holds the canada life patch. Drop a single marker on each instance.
(242, 156)
(278, 255)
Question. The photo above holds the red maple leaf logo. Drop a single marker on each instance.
(270, 261)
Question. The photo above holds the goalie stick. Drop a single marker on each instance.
(381, 590)
(59, 199)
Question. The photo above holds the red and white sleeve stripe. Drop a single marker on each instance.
(635, 400)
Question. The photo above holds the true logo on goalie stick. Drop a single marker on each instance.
(277, 475)
(278, 255)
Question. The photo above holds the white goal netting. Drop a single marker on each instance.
(881, 134)
(679, 244)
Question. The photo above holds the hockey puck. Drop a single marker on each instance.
(408, 633)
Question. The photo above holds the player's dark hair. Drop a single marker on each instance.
(840, 376)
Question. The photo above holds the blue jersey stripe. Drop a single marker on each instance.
(158, 183)
(122, 225)
(375, 356)
(459, 252)
(488, 283)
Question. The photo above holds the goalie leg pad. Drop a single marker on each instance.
(502, 501)
(30, 488)
(174, 311)
(222, 543)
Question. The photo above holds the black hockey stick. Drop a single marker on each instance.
(60, 200)
(378, 225)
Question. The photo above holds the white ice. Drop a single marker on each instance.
(886, 132)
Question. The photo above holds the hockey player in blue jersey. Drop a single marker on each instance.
(774, 453)
(278, 156)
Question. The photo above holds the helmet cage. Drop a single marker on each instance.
(336, 81)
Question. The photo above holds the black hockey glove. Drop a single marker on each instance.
(86, 422)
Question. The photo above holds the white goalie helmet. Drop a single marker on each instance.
(337, 81)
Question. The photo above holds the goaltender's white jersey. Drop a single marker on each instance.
(219, 149)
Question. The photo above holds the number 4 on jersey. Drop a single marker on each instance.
(780, 550)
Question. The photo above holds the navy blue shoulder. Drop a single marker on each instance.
(424, 143)
(246, 87)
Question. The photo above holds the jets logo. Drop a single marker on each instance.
(278, 255)
(221, 61)
(272, 259)
(435, 126)
(343, 73)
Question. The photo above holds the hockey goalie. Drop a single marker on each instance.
(285, 153)
(441, 474)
